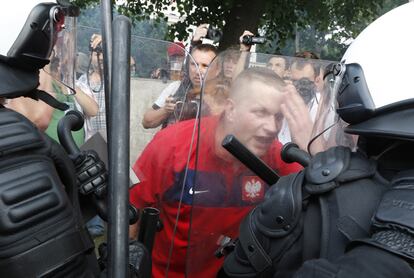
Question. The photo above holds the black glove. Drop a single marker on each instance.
(393, 223)
(91, 173)
(92, 179)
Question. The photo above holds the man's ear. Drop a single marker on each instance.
(230, 110)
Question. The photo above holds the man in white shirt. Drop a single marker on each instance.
(162, 111)
(298, 123)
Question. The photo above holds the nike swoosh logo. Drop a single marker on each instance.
(191, 191)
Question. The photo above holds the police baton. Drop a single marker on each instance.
(251, 161)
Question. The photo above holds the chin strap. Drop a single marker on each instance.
(47, 98)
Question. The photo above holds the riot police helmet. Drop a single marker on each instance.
(30, 30)
(375, 95)
(369, 92)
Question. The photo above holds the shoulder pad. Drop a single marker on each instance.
(279, 213)
(17, 133)
(337, 165)
(327, 166)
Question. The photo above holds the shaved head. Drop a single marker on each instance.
(245, 81)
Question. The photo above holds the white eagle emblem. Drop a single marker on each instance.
(253, 188)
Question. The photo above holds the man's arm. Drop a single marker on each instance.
(38, 112)
(155, 117)
(89, 105)
(199, 34)
(244, 54)
(162, 108)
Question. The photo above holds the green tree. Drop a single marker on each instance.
(278, 19)
(146, 46)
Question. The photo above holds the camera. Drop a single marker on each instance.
(250, 40)
(97, 49)
(306, 89)
(214, 34)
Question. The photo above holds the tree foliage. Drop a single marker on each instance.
(280, 20)
(146, 44)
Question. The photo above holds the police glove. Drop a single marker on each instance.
(91, 173)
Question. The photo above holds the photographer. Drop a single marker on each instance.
(300, 112)
(246, 40)
(162, 111)
(199, 34)
(92, 80)
(206, 31)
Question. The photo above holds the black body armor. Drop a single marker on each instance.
(313, 214)
(42, 234)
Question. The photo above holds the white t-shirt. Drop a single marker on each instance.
(170, 90)
(82, 84)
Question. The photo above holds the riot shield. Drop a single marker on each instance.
(162, 152)
(264, 101)
(166, 82)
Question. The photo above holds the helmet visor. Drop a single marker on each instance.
(63, 55)
(328, 129)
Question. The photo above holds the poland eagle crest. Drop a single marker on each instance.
(253, 189)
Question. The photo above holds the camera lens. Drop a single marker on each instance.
(258, 40)
(214, 34)
(250, 40)
(306, 89)
(247, 40)
(98, 48)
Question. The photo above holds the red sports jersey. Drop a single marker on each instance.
(219, 194)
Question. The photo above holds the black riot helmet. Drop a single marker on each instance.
(28, 43)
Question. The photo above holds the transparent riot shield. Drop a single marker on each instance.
(264, 101)
(329, 129)
(164, 106)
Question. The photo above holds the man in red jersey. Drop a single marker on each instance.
(208, 188)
